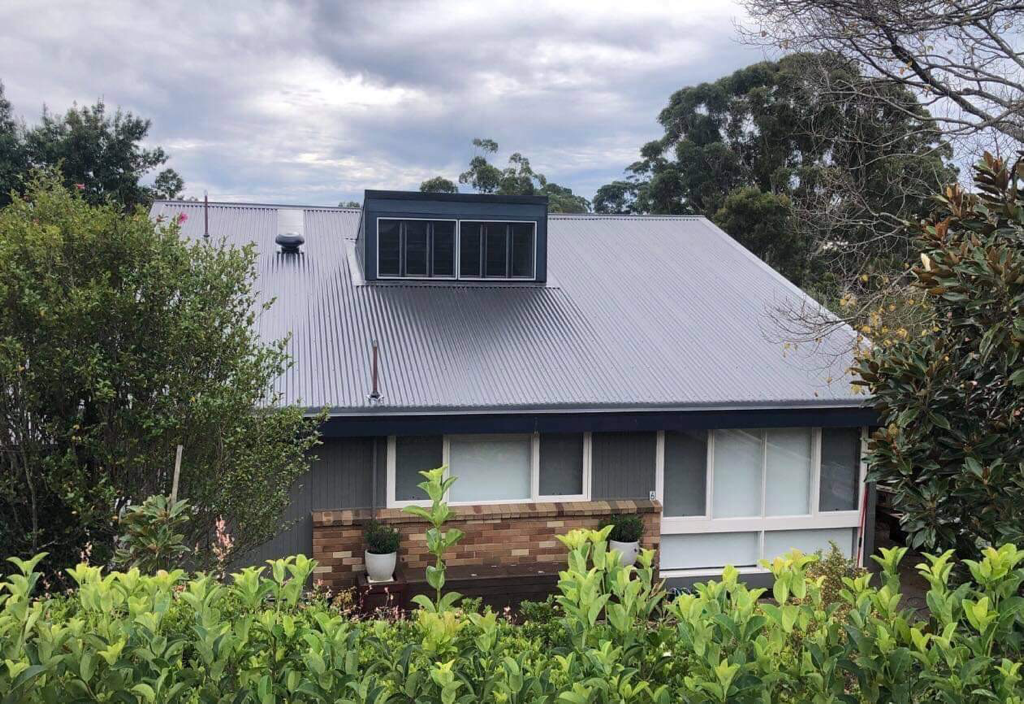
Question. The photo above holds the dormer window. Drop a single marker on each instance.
(459, 236)
(497, 250)
(425, 249)
(419, 249)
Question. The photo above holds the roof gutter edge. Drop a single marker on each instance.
(373, 413)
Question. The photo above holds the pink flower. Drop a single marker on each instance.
(182, 217)
(80, 186)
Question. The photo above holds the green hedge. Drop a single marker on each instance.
(612, 636)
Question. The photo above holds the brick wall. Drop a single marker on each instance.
(500, 534)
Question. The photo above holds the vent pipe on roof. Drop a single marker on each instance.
(374, 396)
(290, 230)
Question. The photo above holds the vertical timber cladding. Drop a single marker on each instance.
(455, 206)
(623, 465)
(340, 477)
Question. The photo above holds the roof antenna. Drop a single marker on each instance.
(374, 396)
(206, 215)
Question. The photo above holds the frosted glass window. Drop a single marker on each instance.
(709, 550)
(489, 467)
(414, 454)
(788, 483)
(840, 469)
(686, 473)
(737, 473)
(779, 542)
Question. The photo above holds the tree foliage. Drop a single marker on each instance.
(516, 179)
(962, 56)
(760, 154)
(951, 401)
(118, 341)
(14, 162)
(438, 184)
(152, 534)
(95, 152)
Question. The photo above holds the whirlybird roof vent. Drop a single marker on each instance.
(290, 230)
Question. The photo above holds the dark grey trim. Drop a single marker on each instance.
(455, 197)
(567, 422)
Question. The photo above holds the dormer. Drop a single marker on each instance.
(405, 235)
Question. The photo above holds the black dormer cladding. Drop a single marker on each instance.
(443, 206)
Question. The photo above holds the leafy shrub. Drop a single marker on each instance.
(834, 568)
(626, 527)
(381, 539)
(951, 441)
(152, 535)
(166, 638)
(435, 485)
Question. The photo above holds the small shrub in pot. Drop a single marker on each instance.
(381, 550)
(627, 529)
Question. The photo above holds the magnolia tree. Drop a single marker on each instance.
(119, 340)
(951, 400)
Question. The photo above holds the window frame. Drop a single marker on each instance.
(535, 495)
(816, 519)
(483, 252)
(430, 251)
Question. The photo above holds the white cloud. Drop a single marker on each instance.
(312, 102)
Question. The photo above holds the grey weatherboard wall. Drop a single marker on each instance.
(340, 477)
(622, 465)
(399, 204)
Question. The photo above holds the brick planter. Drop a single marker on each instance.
(499, 535)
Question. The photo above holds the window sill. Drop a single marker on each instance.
(483, 512)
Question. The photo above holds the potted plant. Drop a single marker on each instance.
(625, 536)
(381, 551)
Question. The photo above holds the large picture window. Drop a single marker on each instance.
(738, 496)
(419, 249)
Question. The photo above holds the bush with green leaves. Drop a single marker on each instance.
(381, 539)
(152, 535)
(436, 485)
(626, 527)
(951, 401)
(119, 340)
(615, 637)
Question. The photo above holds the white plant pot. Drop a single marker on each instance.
(628, 551)
(380, 568)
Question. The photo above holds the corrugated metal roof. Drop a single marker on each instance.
(638, 313)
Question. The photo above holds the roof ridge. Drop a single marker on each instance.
(240, 204)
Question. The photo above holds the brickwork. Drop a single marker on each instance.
(500, 534)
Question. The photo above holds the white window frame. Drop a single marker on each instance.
(535, 495)
(458, 253)
(401, 254)
(816, 519)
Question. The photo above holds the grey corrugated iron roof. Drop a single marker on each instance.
(639, 313)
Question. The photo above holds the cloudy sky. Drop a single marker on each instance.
(311, 102)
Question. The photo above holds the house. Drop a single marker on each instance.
(563, 367)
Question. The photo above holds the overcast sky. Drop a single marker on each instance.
(312, 102)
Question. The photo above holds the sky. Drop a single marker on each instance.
(312, 102)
